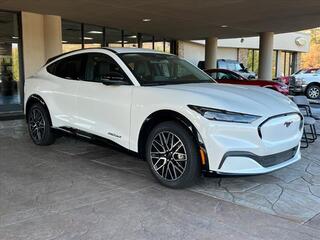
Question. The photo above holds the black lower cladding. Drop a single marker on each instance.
(265, 161)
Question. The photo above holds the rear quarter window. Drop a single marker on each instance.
(51, 68)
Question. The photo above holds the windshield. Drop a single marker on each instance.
(235, 66)
(162, 69)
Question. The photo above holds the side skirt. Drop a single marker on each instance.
(95, 139)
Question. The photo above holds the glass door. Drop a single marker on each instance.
(11, 87)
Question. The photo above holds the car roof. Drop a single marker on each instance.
(133, 50)
(118, 50)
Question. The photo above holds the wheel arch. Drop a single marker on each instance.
(35, 98)
(166, 115)
(311, 84)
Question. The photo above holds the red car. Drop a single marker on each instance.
(230, 77)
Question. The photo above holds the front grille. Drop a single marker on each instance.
(274, 159)
(265, 161)
(263, 132)
(292, 81)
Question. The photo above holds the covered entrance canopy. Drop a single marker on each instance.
(183, 19)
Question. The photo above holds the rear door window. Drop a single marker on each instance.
(71, 68)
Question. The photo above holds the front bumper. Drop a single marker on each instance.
(297, 89)
(249, 163)
(265, 146)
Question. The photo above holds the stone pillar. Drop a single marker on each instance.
(211, 52)
(41, 36)
(33, 43)
(52, 35)
(266, 55)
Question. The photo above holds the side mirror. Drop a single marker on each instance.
(114, 78)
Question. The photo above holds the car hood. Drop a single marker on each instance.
(236, 98)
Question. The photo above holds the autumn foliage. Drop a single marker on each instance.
(312, 58)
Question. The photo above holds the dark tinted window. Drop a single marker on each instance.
(69, 67)
(227, 76)
(101, 66)
(51, 68)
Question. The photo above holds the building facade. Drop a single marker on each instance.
(288, 48)
(28, 40)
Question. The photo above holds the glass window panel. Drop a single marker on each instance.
(70, 67)
(130, 40)
(102, 67)
(10, 97)
(274, 64)
(158, 44)
(71, 36)
(285, 63)
(113, 37)
(160, 68)
(93, 36)
(147, 41)
(253, 60)
(167, 46)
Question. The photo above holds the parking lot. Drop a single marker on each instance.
(78, 190)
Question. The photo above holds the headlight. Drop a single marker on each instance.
(225, 116)
(299, 82)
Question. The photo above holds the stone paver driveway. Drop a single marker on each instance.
(78, 190)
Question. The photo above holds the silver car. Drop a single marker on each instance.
(306, 81)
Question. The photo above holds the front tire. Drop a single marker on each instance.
(173, 155)
(313, 92)
(39, 125)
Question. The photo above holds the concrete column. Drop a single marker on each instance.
(211, 52)
(266, 55)
(52, 35)
(41, 36)
(33, 42)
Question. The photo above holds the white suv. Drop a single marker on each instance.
(167, 110)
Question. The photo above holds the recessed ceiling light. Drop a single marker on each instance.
(64, 41)
(121, 41)
(146, 20)
(14, 37)
(88, 38)
(133, 36)
(95, 32)
(224, 26)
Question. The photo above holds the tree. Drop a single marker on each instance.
(312, 58)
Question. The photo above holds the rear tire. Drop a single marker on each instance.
(39, 125)
(173, 155)
(313, 91)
